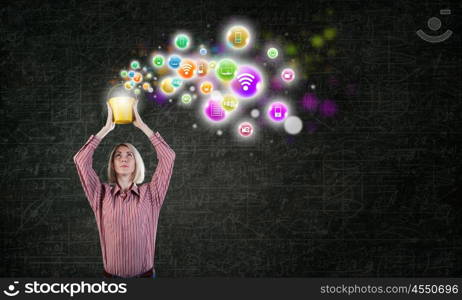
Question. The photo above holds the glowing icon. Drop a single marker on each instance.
(247, 83)
(181, 41)
(128, 85)
(131, 74)
(277, 111)
(288, 75)
(187, 69)
(214, 111)
(174, 61)
(202, 68)
(272, 53)
(206, 87)
(434, 24)
(238, 37)
(203, 51)
(229, 103)
(186, 98)
(135, 64)
(212, 64)
(124, 74)
(138, 77)
(166, 86)
(176, 82)
(226, 69)
(146, 86)
(158, 61)
(245, 129)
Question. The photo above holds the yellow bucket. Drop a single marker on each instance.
(122, 109)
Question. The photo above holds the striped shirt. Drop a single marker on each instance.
(127, 222)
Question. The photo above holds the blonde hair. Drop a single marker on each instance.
(137, 176)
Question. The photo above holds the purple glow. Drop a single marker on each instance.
(350, 89)
(218, 49)
(333, 81)
(310, 102)
(213, 111)
(290, 140)
(276, 84)
(277, 111)
(328, 108)
(311, 126)
(248, 82)
(158, 97)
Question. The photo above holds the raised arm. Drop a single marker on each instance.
(161, 178)
(160, 181)
(83, 160)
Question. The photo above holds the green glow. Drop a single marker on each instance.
(317, 41)
(330, 33)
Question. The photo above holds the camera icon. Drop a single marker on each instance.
(434, 24)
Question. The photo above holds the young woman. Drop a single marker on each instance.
(126, 214)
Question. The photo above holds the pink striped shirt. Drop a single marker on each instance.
(127, 223)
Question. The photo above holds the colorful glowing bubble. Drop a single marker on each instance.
(186, 98)
(174, 61)
(135, 64)
(288, 75)
(146, 86)
(277, 111)
(123, 74)
(138, 77)
(128, 85)
(238, 37)
(177, 82)
(187, 69)
(212, 64)
(166, 86)
(182, 41)
(203, 51)
(248, 82)
(202, 68)
(272, 53)
(245, 129)
(226, 69)
(213, 111)
(229, 103)
(158, 61)
(131, 74)
(206, 87)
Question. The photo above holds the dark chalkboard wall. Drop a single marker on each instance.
(374, 191)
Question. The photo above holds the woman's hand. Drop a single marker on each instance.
(138, 122)
(110, 124)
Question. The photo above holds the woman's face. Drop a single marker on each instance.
(124, 161)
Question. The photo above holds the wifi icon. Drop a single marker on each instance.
(247, 83)
(187, 69)
(245, 80)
